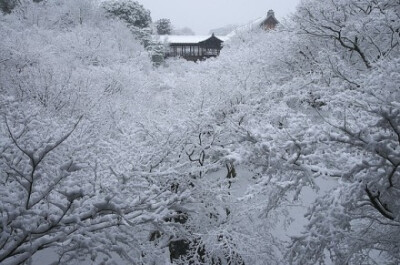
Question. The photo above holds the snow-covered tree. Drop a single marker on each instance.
(66, 183)
(358, 221)
(131, 12)
(163, 26)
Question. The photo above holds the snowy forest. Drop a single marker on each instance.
(285, 149)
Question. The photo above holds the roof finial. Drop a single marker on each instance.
(271, 13)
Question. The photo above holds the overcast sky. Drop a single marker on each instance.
(203, 15)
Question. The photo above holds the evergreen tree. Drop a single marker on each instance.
(6, 6)
(133, 13)
(164, 26)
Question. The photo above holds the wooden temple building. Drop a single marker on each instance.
(270, 21)
(194, 48)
